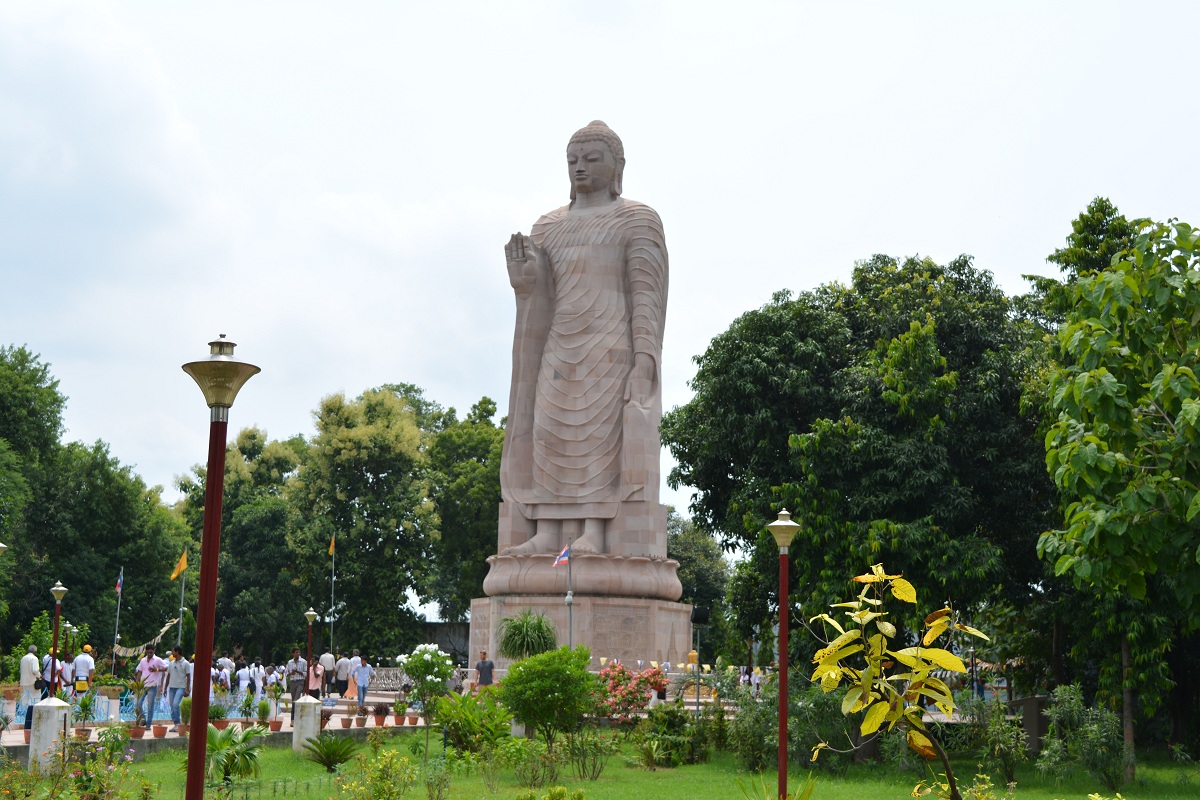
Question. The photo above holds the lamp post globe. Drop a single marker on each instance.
(783, 529)
(311, 616)
(219, 377)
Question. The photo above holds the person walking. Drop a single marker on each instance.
(484, 670)
(362, 676)
(295, 672)
(328, 663)
(179, 683)
(85, 670)
(30, 675)
(341, 675)
(151, 670)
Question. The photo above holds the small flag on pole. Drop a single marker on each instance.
(563, 557)
(331, 541)
(181, 566)
(120, 580)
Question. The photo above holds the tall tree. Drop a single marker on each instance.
(364, 480)
(464, 470)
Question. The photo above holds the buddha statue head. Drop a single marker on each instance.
(596, 132)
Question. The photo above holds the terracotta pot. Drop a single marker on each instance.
(324, 722)
(82, 733)
(347, 722)
(137, 731)
(361, 722)
(398, 719)
(380, 720)
(220, 724)
(413, 719)
(275, 725)
(159, 731)
(111, 692)
(183, 728)
(28, 734)
(10, 694)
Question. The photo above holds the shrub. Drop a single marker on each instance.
(551, 692)
(232, 753)
(330, 751)
(264, 711)
(217, 711)
(669, 736)
(185, 710)
(473, 724)
(531, 761)
(589, 752)
(388, 776)
(525, 635)
(626, 694)
(1090, 736)
(1003, 743)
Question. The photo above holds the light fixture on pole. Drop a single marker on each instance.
(783, 529)
(311, 616)
(67, 627)
(220, 378)
(58, 590)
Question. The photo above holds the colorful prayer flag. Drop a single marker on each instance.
(181, 566)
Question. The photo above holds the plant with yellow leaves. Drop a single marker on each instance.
(889, 685)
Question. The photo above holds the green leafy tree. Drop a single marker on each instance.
(364, 479)
(550, 692)
(464, 468)
(704, 573)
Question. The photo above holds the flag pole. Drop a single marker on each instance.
(570, 601)
(332, 578)
(182, 586)
(117, 626)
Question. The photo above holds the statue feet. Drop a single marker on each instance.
(592, 542)
(542, 542)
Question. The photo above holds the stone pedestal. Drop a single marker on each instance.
(51, 717)
(308, 722)
(628, 628)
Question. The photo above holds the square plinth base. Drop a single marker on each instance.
(628, 628)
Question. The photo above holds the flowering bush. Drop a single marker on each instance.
(428, 668)
(627, 693)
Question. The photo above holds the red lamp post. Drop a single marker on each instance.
(783, 529)
(58, 590)
(220, 378)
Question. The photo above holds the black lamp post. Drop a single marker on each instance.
(58, 590)
(783, 529)
(219, 378)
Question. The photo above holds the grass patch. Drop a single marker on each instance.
(288, 774)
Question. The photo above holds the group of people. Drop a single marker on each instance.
(67, 671)
(328, 675)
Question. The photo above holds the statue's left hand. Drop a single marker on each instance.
(641, 380)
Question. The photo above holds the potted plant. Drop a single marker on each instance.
(11, 692)
(351, 712)
(185, 716)
(361, 719)
(159, 729)
(137, 687)
(218, 716)
(264, 712)
(379, 710)
(398, 710)
(326, 715)
(109, 686)
(246, 707)
(86, 705)
(414, 713)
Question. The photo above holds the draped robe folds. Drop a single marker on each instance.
(600, 302)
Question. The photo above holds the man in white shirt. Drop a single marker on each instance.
(179, 682)
(85, 670)
(225, 662)
(51, 674)
(327, 662)
(29, 676)
(341, 675)
(257, 673)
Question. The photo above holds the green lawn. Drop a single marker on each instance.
(288, 775)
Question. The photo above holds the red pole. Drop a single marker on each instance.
(206, 611)
(54, 650)
(783, 670)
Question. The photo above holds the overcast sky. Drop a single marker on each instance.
(331, 184)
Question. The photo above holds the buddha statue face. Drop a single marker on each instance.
(591, 167)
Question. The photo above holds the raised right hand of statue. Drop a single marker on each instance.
(525, 259)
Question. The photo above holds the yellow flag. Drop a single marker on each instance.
(181, 566)
(331, 541)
